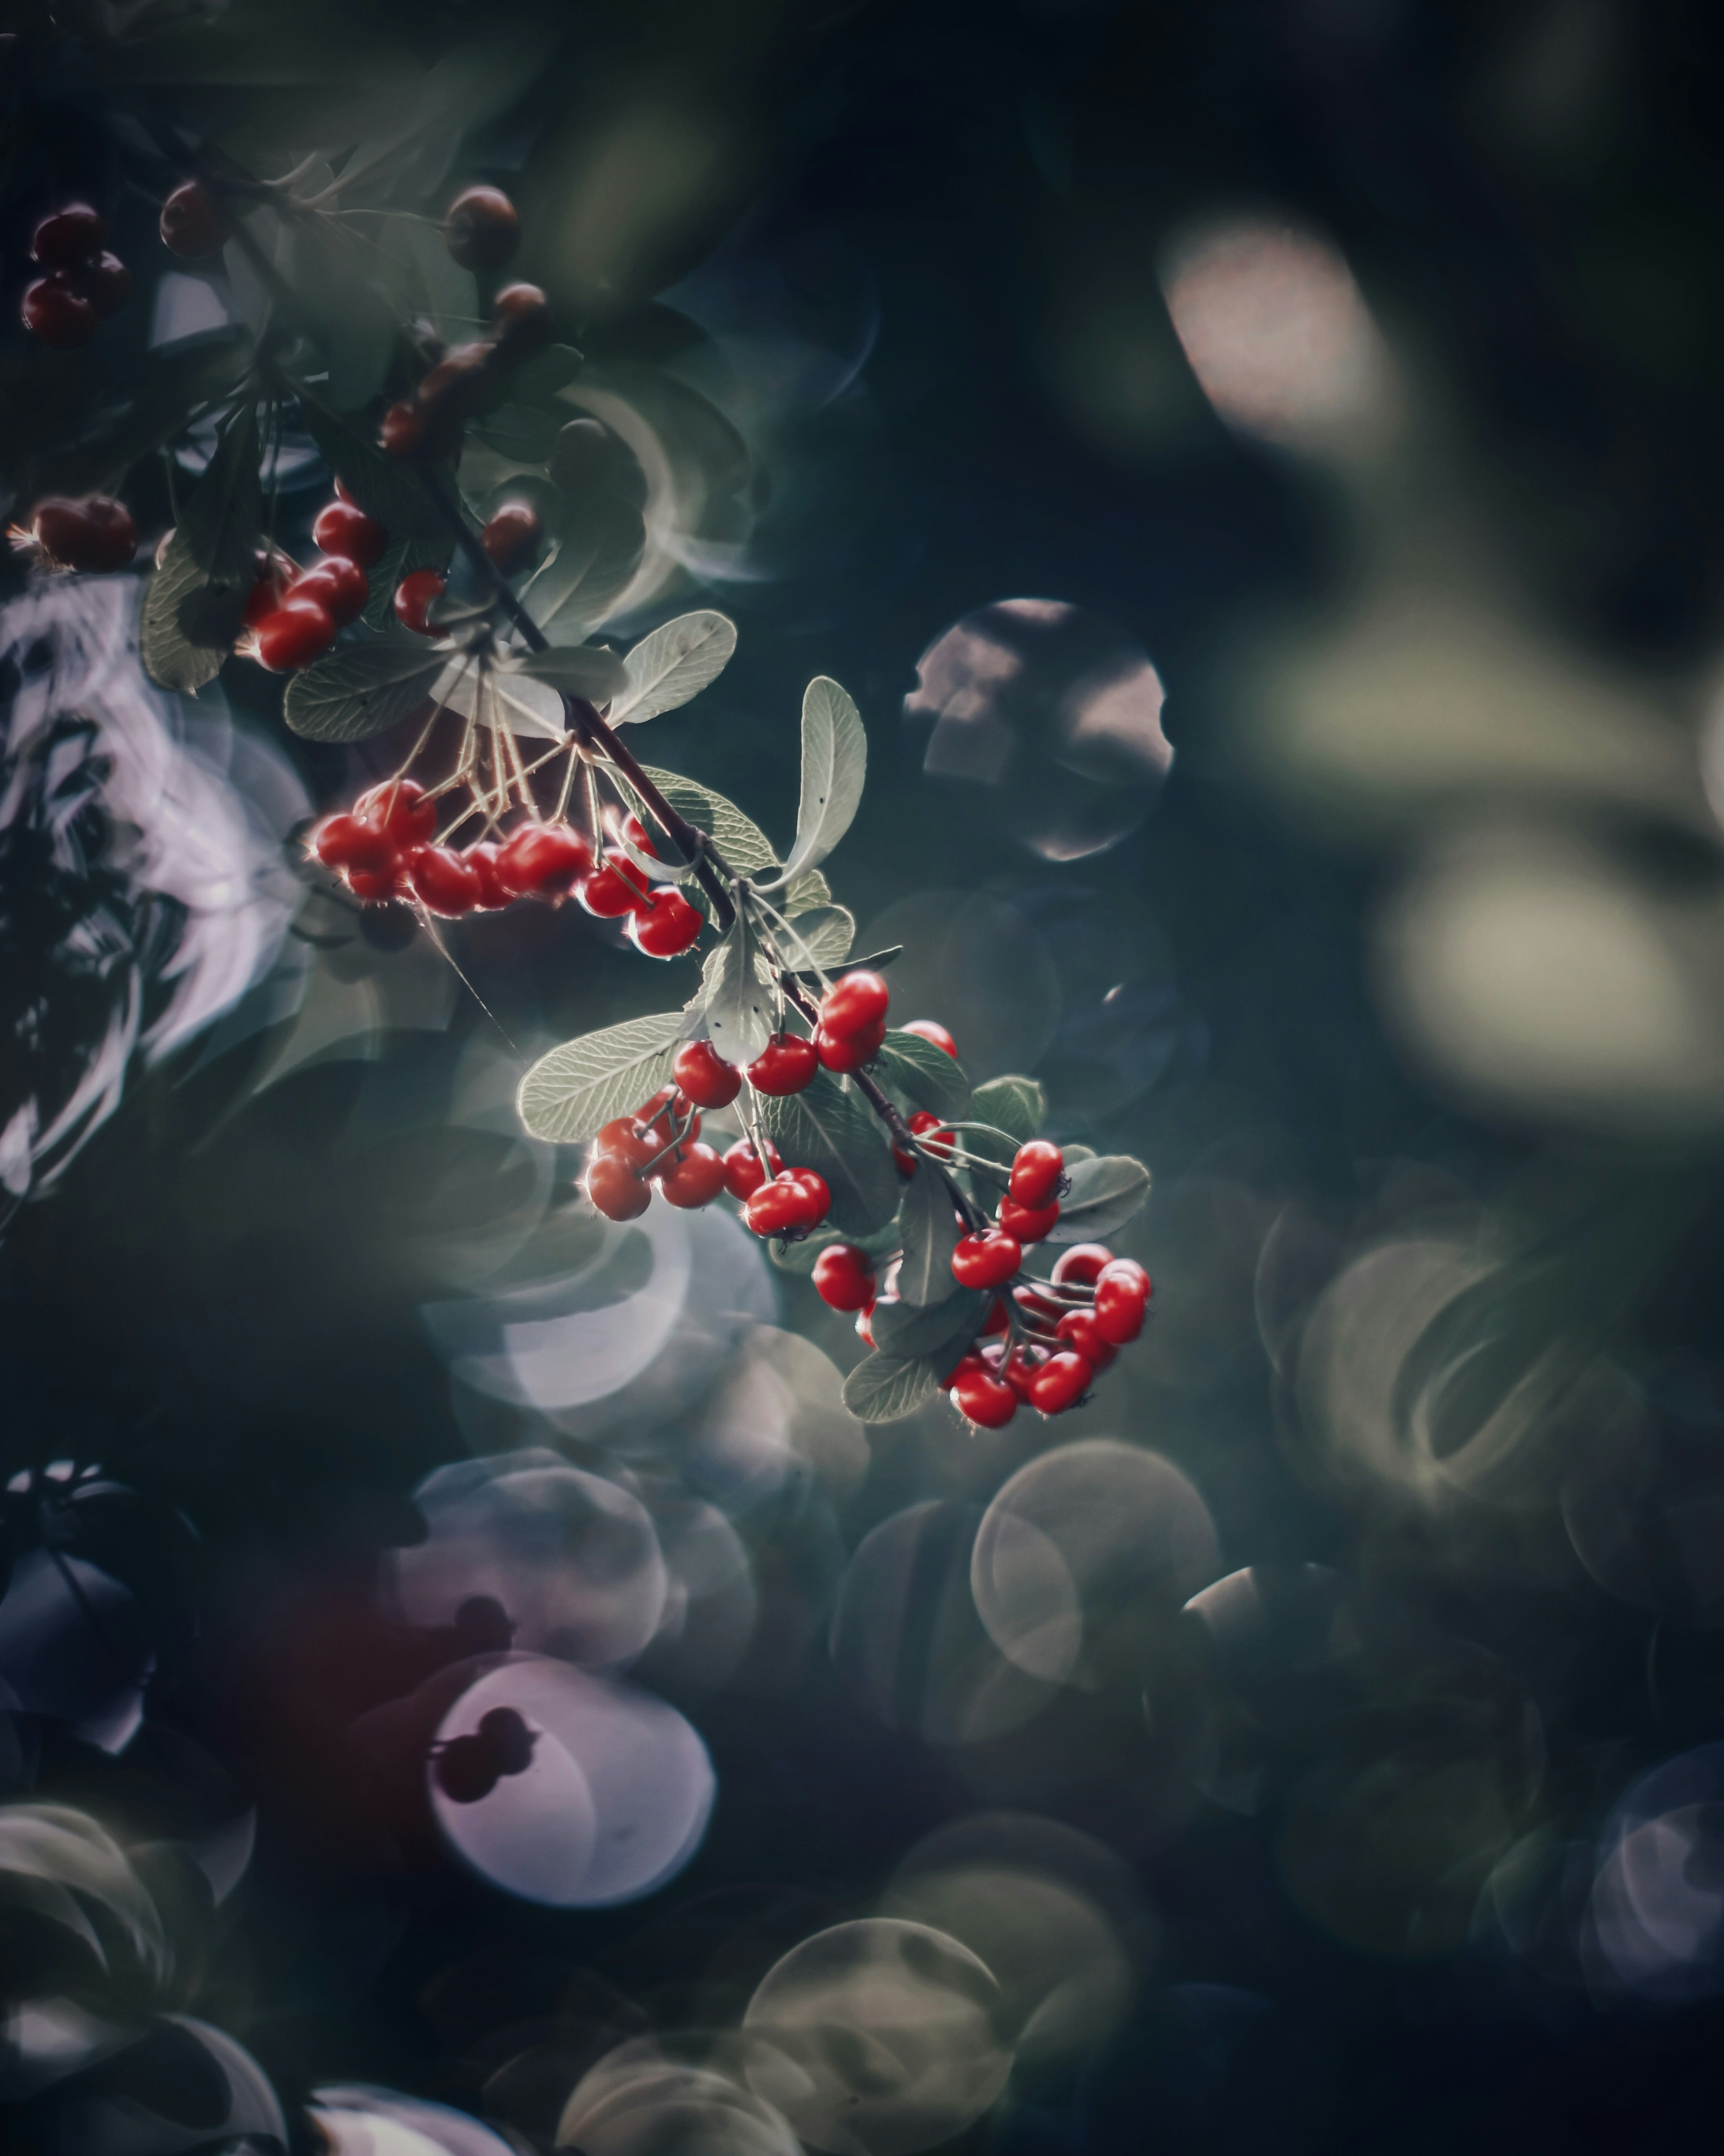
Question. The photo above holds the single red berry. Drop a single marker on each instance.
(56, 316)
(697, 1177)
(68, 239)
(483, 227)
(616, 888)
(298, 631)
(339, 586)
(192, 222)
(626, 1139)
(989, 1259)
(1080, 1332)
(444, 881)
(704, 1076)
(743, 1174)
(106, 284)
(928, 1127)
(511, 536)
(96, 534)
(980, 1397)
(848, 1051)
(1121, 1298)
(376, 886)
(452, 386)
(783, 1207)
(666, 928)
(406, 432)
(522, 314)
(403, 809)
(613, 1187)
(786, 1064)
(481, 858)
(962, 1367)
(1061, 1383)
(1036, 1170)
(906, 1161)
(1029, 1224)
(843, 1277)
(543, 860)
(1080, 1266)
(931, 1030)
(1019, 1368)
(341, 529)
(855, 1003)
(354, 842)
(814, 1184)
(414, 597)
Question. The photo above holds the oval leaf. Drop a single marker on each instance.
(1104, 1194)
(361, 689)
(574, 1091)
(835, 764)
(676, 663)
(928, 1226)
(587, 671)
(881, 1388)
(739, 1019)
(826, 1127)
(925, 1074)
(906, 1329)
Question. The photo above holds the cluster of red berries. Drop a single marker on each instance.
(84, 284)
(850, 1030)
(294, 614)
(94, 534)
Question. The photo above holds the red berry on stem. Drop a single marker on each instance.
(928, 1127)
(814, 1184)
(1061, 1383)
(511, 536)
(68, 239)
(961, 1369)
(613, 1187)
(1080, 1266)
(985, 1260)
(56, 316)
(354, 842)
(855, 1003)
(998, 1317)
(1121, 1298)
(414, 597)
(697, 1177)
(1079, 1331)
(616, 888)
(931, 1030)
(629, 1142)
(667, 926)
(483, 227)
(843, 1277)
(376, 886)
(982, 1398)
(403, 809)
(1019, 1368)
(521, 311)
(481, 857)
(1029, 1224)
(1036, 1170)
(298, 631)
(743, 1174)
(192, 222)
(96, 534)
(339, 587)
(445, 882)
(406, 432)
(786, 1064)
(543, 860)
(704, 1076)
(783, 1207)
(341, 529)
(848, 1051)
(106, 284)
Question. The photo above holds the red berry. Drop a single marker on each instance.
(96, 534)
(298, 631)
(848, 1051)
(376, 886)
(1029, 1224)
(783, 1207)
(666, 928)
(931, 1030)
(927, 1126)
(1078, 1329)
(1080, 1266)
(339, 586)
(704, 1076)
(192, 222)
(784, 1066)
(616, 888)
(843, 1277)
(56, 316)
(482, 858)
(696, 1179)
(106, 284)
(998, 1317)
(354, 842)
(1122, 1296)
(511, 536)
(814, 1184)
(414, 597)
(1061, 1383)
(265, 595)
(445, 882)
(985, 1260)
(1020, 1367)
(68, 239)
(341, 529)
(855, 1003)
(961, 1369)
(626, 1139)
(403, 809)
(982, 1398)
(543, 860)
(743, 1174)
(406, 432)
(522, 314)
(1036, 1171)
(483, 228)
(614, 1188)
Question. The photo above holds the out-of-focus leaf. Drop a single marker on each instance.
(384, 487)
(188, 628)
(928, 1226)
(1104, 1194)
(221, 514)
(906, 1329)
(827, 1127)
(883, 1388)
(360, 689)
(593, 553)
(925, 1074)
(673, 664)
(587, 671)
(50, 1852)
(161, 393)
(575, 1091)
(835, 765)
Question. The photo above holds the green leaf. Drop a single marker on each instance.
(805, 895)
(739, 1020)
(827, 1127)
(739, 839)
(1015, 1106)
(882, 1388)
(220, 517)
(928, 1226)
(925, 1074)
(360, 689)
(799, 1257)
(904, 1329)
(163, 390)
(595, 549)
(1104, 1194)
(401, 558)
(523, 434)
(826, 933)
(383, 487)
(835, 764)
(574, 1091)
(587, 671)
(673, 664)
(189, 625)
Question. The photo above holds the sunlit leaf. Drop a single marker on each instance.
(189, 625)
(928, 1226)
(823, 937)
(882, 1388)
(575, 1091)
(594, 550)
(835, 764)
(587, 671)
(1104, 1194)
(828, 1127)
(360, 689)
(739, 1006)
(673, 664)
